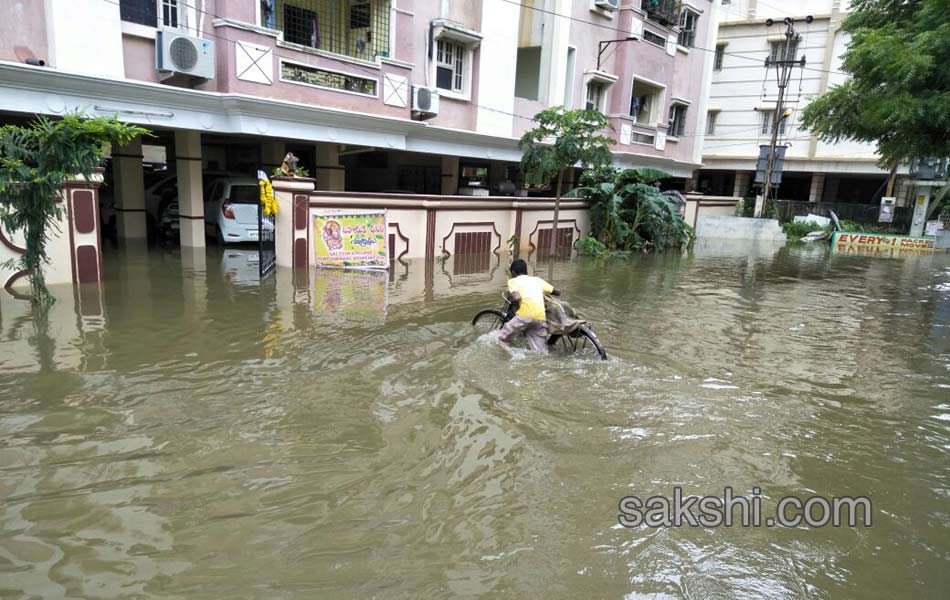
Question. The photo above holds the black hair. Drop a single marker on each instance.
(519, 267)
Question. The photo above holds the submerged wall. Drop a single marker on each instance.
(431, 226)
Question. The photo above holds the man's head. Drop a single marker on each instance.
(519, 267)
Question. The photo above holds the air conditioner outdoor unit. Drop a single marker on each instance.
(607, 4)
(425, 102)
(177, 54)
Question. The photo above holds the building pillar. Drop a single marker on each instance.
(129, 193)
(817, 187)
(330, 174)
(272, 155)
(191, 213)
(741, 185)
(450, 175)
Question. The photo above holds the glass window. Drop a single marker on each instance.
(449, 66)
(711, 122)
(688, 21)
(595, 96)
(143, 12)
(768, 117)
(677, 120)
(720, 56)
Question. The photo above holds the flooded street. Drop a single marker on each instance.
(193, 433)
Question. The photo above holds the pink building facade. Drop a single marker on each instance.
(419, 96)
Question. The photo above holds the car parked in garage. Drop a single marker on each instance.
(231, 208)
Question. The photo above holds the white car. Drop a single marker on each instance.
(231, 206)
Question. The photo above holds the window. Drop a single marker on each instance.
(449, 65)
(646, 103)
(596, 92)
(143, 12)
(687, 23)
(642, 138)
(653, 38)
(170, 13)
(677, 120)
(767, 121)
(711, 122)
(359, 15)
(569, 78)
(300, 26)
(777, 51)
(356, 28)
(152, 13)
(720, 56)
(528, 72)
(297, 73)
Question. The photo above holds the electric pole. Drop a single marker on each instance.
(783, 73)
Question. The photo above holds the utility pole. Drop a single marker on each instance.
(783, 71)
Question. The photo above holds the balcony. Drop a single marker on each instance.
(355, 28)
(664, 12)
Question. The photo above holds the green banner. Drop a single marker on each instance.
(350, 239)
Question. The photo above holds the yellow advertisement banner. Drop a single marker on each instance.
(846, 242)
(350, 239)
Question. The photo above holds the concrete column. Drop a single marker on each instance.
(129, 184)
(190, 189)
(817, 187)
(272, 155)
(330, 174)
(741, 185)
(830, 193)
(450, 175)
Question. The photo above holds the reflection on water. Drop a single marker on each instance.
(187, 431)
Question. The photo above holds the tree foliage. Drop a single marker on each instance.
(628, 213)
(35, 162)
(898, 96)
(563, 139)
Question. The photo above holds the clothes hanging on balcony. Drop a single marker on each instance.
(268, 14)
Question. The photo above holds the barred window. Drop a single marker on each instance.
(355, 28)
(777, 51)
(298, 73)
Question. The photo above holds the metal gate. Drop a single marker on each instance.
(267, 249)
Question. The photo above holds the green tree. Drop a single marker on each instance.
(35, 162)
(562, 139)
(898, 96)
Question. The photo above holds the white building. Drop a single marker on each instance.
(743, 97)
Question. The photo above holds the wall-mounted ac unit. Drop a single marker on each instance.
(607, 4)
(177, 54)
(425, 102)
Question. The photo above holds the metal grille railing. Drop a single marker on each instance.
(666, 12)
(356, 28)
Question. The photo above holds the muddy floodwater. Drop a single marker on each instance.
(190, 432)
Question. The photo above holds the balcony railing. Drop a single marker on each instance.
(355, 28)
(664, 12)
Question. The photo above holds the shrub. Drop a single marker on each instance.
(799, 229)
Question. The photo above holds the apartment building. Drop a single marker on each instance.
(743, 97)
(387, 96)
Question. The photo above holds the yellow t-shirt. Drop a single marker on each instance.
(532, 291)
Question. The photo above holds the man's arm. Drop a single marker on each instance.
(547, 288)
